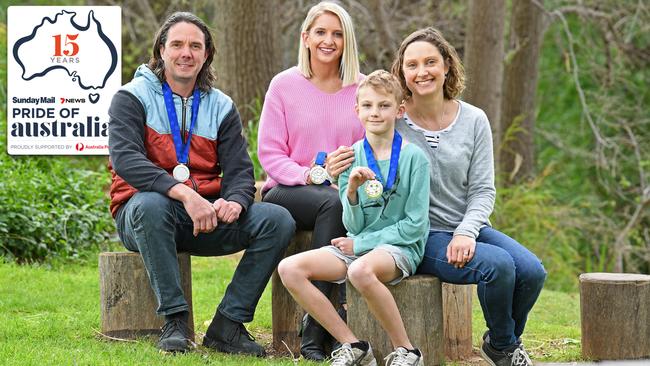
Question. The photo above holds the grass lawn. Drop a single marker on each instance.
(50, 316)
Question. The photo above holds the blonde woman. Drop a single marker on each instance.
(308, 122)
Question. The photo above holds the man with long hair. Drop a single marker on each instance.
(183, 181)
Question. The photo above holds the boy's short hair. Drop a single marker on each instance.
(383, 81)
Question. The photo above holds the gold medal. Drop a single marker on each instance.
(374, 188)
(318, 174)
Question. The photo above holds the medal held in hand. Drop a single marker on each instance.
(374, 188)
(181, 171)
(317, 173)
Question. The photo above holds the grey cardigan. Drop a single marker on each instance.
(462, 193)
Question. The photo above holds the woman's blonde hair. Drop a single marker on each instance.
(455, 77)
(349, 64)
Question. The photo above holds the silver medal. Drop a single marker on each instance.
(374, 188)
(318, 174)
(181, 173)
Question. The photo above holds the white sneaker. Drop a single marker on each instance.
(352, 356)
(402, 357)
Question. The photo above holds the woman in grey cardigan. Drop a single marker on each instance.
(462, 247)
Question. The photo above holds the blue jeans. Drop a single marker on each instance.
(509, 279)
(158, 226)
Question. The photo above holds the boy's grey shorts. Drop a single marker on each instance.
(401, 261)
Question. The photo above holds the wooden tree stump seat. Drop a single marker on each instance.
(615, 316)
(456, 307)
(128, 304)
(419, 300)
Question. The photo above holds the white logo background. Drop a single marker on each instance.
(64, 66)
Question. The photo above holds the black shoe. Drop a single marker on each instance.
(514, 356)
(314, 337)
(174, 337)
(228, 336)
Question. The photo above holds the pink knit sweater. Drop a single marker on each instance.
(298, 120)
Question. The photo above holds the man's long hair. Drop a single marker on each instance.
(206, 77)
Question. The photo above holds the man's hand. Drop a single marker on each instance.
(346, 245)
(339, 160)
(227, 211)
(198, 208)
(460, 250)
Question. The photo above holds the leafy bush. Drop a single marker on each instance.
(250, 131)
(49, 209)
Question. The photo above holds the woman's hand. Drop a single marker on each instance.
(339, 160)
(346, 245)
(460, 250)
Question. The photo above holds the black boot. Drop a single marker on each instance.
(314, 336)
(228, 336)
(175, 335)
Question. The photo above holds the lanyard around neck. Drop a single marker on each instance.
(182, 149)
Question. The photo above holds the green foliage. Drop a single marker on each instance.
(530, 213)
(250, 131)
(598, 150)
(48, 209)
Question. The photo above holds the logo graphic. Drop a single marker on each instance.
(90, 74)
(62, 71)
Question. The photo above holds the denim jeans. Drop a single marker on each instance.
(158, 226)
(509, 279)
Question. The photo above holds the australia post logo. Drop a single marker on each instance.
(63, 70)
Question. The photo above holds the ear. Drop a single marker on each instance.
(161, 49)
(356, 108)
(305, 37)
(400, 110)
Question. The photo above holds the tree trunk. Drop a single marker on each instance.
(128, 304)
(419, 300)
(247, 57)
(484, 59)
(615, 316)
(457, 319)
(517, 152)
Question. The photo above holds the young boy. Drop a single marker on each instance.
(385, 197)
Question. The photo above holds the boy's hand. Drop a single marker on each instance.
(346, 245)
(339, 160)
(358, 176)
(460, 250)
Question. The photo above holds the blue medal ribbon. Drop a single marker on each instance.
(320, 158)
(182, 149)
(394, 159)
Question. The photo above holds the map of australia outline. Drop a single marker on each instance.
(86, 68)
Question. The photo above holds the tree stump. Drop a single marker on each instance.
(287, 314)
(128, 304)
(615, 316)
(419, 300)
(457, 318)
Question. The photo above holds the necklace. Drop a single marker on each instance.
(438, 125)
